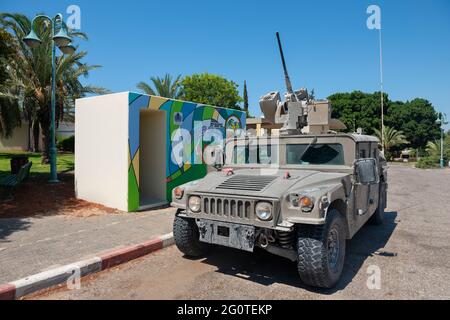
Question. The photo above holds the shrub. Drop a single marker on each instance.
(67, 145)
(428, 162)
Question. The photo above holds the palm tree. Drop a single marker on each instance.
(392, 138)
(163, 87)
(31, 76)
(433, 148)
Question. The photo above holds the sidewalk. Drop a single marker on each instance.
(31, 245)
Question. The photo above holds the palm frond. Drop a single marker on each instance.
(146, 88)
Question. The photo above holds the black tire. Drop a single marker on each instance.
(378, 216)
(318, 265)
(186, 236)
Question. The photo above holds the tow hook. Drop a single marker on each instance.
(249, 234)
(202, 228)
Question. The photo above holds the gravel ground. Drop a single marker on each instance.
(412, 251)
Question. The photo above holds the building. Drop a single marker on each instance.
(22, 140)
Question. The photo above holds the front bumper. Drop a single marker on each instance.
(231, 235)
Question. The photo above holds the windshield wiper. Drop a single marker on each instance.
(313, 141)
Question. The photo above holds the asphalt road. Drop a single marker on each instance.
(411, 250)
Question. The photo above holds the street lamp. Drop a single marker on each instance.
(63, 41)
(442, 122)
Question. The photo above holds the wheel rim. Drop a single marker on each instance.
(333, 248)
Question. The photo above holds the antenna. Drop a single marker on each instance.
(286, 75)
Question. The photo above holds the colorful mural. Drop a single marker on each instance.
(179, 114)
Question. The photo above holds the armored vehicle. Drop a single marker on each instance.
(299, 195)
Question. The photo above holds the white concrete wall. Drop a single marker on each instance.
(101, 150)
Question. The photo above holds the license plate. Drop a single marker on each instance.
(231, 235)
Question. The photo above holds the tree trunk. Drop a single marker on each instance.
(36, 136)
(45, 126)
(46, 150)
(30, 128)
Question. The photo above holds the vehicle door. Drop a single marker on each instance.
(365, 184)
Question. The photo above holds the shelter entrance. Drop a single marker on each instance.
(152, 159)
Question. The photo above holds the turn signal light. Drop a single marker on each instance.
(307, 204)
(178, 192)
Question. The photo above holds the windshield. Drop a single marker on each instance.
(330, 153)
(255, 154)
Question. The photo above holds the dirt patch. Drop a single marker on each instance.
(37, 197)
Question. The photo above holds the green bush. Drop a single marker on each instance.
(67, 145)
(428, 162)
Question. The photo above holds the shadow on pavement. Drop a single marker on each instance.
(9, 226)
(266, 269)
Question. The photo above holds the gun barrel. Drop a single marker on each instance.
(286, 75)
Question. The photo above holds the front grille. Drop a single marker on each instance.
(232, 208)
(245, 182)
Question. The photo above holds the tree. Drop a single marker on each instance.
(31, 76)
(391, 138)
(416, 119)
(163, 87)
(211, 89)
(245, 96)
(9, 103)
(358, 110)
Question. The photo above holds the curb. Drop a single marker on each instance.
(25, 286)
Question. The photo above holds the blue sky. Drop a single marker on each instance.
(327, 44)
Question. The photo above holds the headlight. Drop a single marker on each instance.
(178, 192)
(263, 210)
(194, 203)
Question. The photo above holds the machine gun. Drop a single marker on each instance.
(297, 114)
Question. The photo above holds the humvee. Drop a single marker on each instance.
(299, 196)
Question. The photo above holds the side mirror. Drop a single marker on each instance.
(366, 171)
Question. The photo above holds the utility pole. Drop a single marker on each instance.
(374, 22)
(442, 122)
(381, 93)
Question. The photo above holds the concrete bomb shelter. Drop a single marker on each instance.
(124, 147)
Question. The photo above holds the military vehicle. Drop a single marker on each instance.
(300, 196)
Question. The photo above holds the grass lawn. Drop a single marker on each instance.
(65, 162)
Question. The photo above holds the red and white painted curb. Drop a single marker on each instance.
(53, 277)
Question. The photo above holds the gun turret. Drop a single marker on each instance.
(292, 113)
(286, 75)
(297, 113)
